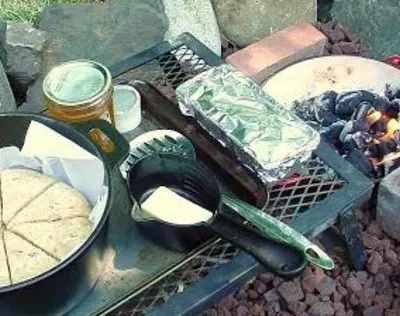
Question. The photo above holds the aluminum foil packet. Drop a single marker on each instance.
(267, 139)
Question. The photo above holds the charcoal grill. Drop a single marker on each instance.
(187, 284)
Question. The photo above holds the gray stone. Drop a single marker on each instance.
(374, 262)
(24, 45)
(353, 285)
(376, 22)
(107, 33)
(291, 291)
(297, 308)
(3, 53)
(321, 309)
(271, 296)
(7, 101)
(388, 212)
(373, 311)
(34, 98)
(195, 17)
(326, 286)
(247, 21)
(362, 276)
(383, 284)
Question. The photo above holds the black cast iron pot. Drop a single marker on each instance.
(65, 285)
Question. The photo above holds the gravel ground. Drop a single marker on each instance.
(374, 291)
(342, 292)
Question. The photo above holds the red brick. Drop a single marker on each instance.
(266, 57)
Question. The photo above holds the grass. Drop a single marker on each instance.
(28, 10)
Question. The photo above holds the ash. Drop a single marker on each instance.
(363, 127)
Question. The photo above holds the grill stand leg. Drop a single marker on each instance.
(352, 234)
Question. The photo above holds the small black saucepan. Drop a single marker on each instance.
(193, 181)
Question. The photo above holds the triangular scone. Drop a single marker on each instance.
(4, 273)
(26, 261)
(60, 201)
(19, 187)
(56, 238)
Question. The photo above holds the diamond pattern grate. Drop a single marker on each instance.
(297, 195)
(178, 66)
(209, 258)
(286, 200)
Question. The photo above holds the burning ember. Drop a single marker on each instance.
(364, 127)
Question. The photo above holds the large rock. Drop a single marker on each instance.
(376, 22)
(3, 54)
(7, 101)
(107, 33)
(247, 21)
(24, 45)
(196, 17)
(388, 211)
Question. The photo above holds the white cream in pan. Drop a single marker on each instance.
(167, 206)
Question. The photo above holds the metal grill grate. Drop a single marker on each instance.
(287, 200)
(216, 254)
(297, 195)
(178, 66)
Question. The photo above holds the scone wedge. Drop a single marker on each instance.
(18, 188)
(26, 261)
(60, 201)
(58, 238)
(4, 272)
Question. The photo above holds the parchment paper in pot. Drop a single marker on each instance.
(54, 155)
(235, 111)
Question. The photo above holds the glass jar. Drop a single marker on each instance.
(79, 91)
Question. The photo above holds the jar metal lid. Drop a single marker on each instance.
(77, 82)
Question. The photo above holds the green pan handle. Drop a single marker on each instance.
(279, 231)
(109, 141)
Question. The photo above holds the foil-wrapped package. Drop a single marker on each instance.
(267, 139)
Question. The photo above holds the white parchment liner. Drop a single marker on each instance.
(54, 155)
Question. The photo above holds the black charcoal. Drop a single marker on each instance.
(332, 133)
(305, 110)
(383, 148)
(372, 152)
(324, 108)
(394, 109)
(353, 127)
(347, 103)
(364, 109)
(348, 143)
(329, 119)
(330, 95)
(354, 123)
(328, 99)
(382, 104)
(378, 129)
(362, 139)
(389, 92)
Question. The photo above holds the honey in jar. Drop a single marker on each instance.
(79, 91)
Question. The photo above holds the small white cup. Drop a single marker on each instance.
(127, 108)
